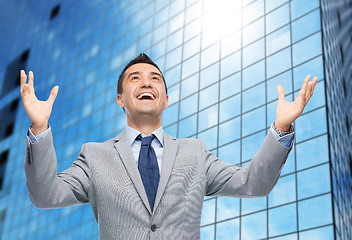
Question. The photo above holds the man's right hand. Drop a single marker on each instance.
(38, 111)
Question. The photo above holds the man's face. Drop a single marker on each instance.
(143, 92)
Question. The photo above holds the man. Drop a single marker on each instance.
(145, 184)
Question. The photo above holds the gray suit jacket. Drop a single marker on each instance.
(105, 174)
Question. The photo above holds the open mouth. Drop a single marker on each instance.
(146, 96)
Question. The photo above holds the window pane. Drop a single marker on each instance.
(174, 40)
(253, 11)
(209, 139)
(284, 191)
(315, 212)
(170, 114)
(173, 58)
(229, 131)
(313, 67)
(189, 85)
(227, 208)
(270, 5)
(253, 74)
(282, 220)
(191, 47)
(187, 127)
(277, 18)
(306, 25)
(253, 53)
(210, 55)
(192, 29)
(313, 181)
(228, 230)
(171, 130)
(188, 106)
(284, 79)
(278, 62)
(308, 154)
(278, 40)
(306, 49)
(250, 205)
(208, 118)
(254, 226)
(190, 66)
(253, 32)
(207, 233)
(301, 7)
(230, 64)
(310, 125)
(230, 108)
(209, 96)
(230, 153)
(253, 121)
(253, 97)
(251, 145)
(324, 233)
(231, 44)
(230, 86)
(209, 75)
(173, 75)
(208, 212)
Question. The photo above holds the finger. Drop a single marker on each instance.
(303, 90)
(310, 88)
(53, 94)
(23, 78)
(281, 92)
(30, 79)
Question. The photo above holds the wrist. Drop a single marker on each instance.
(282, 128)
(36, 130)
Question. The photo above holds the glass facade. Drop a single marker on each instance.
(222, 61)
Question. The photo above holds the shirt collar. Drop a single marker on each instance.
(133, 133)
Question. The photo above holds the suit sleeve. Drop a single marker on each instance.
(46, 188)
(255, 180)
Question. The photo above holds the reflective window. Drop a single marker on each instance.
(278, 62)
(253, 53)
(171, 130)
(282, 220)
(188, 106)
(253, 32)
(209, 75)
(270, 5)
(284, 79)
(229, 131)
(310, 125)
(207, 232)
(231, 44)
(324, 233)
(227, 208)
(313, 67)
(173, 58)
(228, 230)
(192, 29)
(230, 108)
(209, 139)
(301, 7)
(230, 64)
(210, 55)
(189, 85)
(254, 226)
(190, 66)
(191, 47)
(306, 49)
(284, 191)
(209, 96)
(193, 11)
(318, 98)
(230, 85)
(176, 22)
(278, 40)
(315, 212)
(159, 33)
(250, 205)
(308, 154)
(253, 74)
(170, 114)
(251, 145)
(277, 18)
(208, 118)
(173, 75)
(187, 127)
(208, 212)
(253, 97)
(318, 179)
(230, 153)
(174, 40)
(253, 11)
(253, 121)
(306, 25)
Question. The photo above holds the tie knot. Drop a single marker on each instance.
(146, 141)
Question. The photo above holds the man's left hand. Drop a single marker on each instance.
(288, 112)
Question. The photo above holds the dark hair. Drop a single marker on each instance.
(142, 58)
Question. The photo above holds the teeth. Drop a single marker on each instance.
(146, 94)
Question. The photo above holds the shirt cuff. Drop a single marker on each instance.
(285, 140)
(35, 139)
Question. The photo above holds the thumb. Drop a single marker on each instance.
(53, 94)
(281, 92)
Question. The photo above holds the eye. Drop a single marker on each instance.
(155, 78)
(135, 78)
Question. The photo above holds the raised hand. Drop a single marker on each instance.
(38, 111)
(288, 112)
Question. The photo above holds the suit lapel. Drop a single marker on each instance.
(169, 156)
(124, 150)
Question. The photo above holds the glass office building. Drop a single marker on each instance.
(222, 61)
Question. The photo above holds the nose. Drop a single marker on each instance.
(146, 82)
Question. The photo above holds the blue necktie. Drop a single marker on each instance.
(148, 168)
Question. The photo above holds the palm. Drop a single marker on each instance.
(38, 111)
(288, 112)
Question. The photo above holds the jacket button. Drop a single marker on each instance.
(153, 228)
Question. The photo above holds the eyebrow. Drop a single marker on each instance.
(138, 73)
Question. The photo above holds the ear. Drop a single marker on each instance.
(119, 100)
(167, 101)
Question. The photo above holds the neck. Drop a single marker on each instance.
(144, 125)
